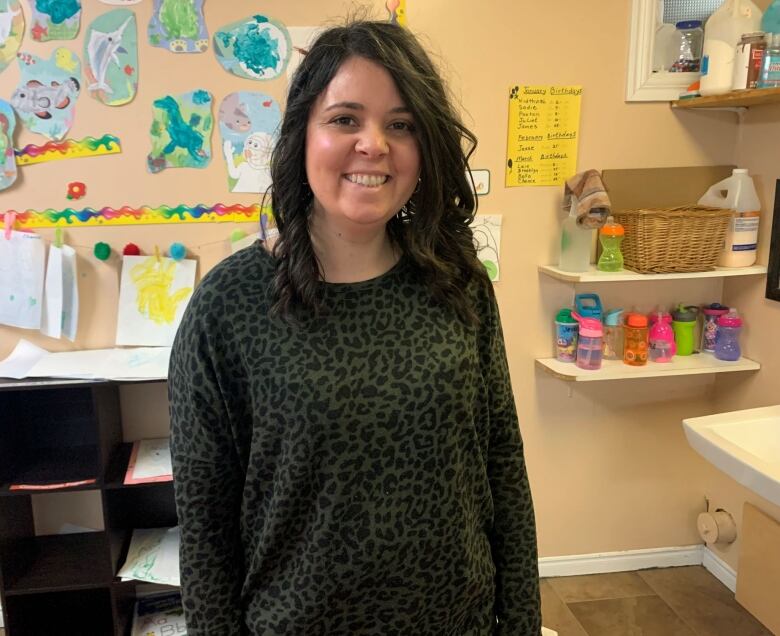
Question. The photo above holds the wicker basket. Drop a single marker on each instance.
(667, 240)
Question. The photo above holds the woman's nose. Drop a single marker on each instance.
(372, 141)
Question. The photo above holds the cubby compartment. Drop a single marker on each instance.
(71, 613)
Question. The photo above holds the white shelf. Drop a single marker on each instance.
(695, 364)
(595, 276)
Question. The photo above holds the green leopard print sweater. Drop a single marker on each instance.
(357, 474)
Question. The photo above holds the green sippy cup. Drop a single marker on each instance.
(684, 325)
(611, 236)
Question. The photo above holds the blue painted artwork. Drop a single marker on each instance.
(54, 19)
(248, 125)
(7, 157)
(181, 132)
(179, 26)
(45, 99)
(111, 53)
(256, 48)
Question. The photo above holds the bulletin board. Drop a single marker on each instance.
(107, 179)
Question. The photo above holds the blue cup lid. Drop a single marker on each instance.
(689, 24)
(612, 317)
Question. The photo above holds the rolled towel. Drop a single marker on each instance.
(590, 197)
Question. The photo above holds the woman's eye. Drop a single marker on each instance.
(343, 121)
(403, 125)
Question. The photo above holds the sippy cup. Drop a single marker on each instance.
(565, 336)
(709, 330)
(589, 344)
(635, 340)
(727, 344)
(611, 236)
(684, 324)
(613, 334)
(661, 337)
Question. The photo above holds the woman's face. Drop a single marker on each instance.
(362, 154)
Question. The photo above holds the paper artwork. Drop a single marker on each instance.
(60, 295)
(178, 25)
(481, 179)
(111, 53)
(255, 48)
(247, 125)
(302, 38)
(150, 461)
(45, 99)
(397, 11)
(120, 3)
(159, 615)
(181, 132)
(7, 156)
(542, 135)
(22, 259)
(487, 240)
(11, 31)
(153, 556)
(153, 294)
(54, 19)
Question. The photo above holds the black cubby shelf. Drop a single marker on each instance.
(64, 431)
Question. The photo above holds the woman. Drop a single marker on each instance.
(346, 450)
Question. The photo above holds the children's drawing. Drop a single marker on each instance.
(181, 132)
(487, 240)
(55, 19)
(22, 258)
(11, 31)
(301, 38)
(45, 99)
(111, 51)
(255, 48)
(121, 3)
(397, 11)
(247, 124)
(178, 25)
(153, 293)
(7, 156)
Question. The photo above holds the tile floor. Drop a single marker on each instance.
(682, 601)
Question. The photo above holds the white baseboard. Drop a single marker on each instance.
(719, 569)
(625, 561)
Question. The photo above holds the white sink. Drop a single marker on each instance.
(743, 444)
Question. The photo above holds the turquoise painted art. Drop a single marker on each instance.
(45, 99)
(54, 19)
(179, 26)
(111, 53)
(7, 156)
(181, 132)
(256, 48)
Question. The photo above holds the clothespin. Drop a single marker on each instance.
(9, 218)
(264, 226)
(58, 237)
(157, 254)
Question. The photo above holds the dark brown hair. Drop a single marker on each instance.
(433, 230)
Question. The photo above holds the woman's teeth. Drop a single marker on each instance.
(372, 181)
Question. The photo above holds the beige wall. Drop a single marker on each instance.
(609, 465)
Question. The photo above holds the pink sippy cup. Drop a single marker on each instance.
(661, 336)
(589, 343)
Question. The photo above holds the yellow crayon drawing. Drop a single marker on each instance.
(153, 279)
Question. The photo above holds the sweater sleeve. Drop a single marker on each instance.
(207, 481)
(513, 536)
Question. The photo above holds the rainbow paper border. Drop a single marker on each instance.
(218, 213)
(68, 149)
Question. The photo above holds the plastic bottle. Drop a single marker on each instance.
(611, 236)
(589, 343)
(687, 47)
(742, 234)
(565, 336)
(722, 33)
(613, 334)
(588, 305)
(576, 244)
(684, 326)
(635, 340)
(769, 77)
(727, 343)
(661, 337)
(709, 328)
(770, 22)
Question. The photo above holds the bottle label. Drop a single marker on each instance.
(705, 64)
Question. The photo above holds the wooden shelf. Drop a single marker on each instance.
(734, 99)
(696, 364)
(595, 276)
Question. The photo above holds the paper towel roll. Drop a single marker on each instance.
(717, 527)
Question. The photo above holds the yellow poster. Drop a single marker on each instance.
(544, 123)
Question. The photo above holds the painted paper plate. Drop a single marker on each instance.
(45, 99)
(179, 26)
(111, 56)
(256, 48)
(7, 157)
(54, 19)
(248, 124)
(181, 132)
(11, 31)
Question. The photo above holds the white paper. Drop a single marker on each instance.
(301, 37)
(487, 239)
(153, 556)
(22, 260)
(22, 359)
(153, 458)
(144, 363)
(51, 318)
(70, 293)
(153, 294)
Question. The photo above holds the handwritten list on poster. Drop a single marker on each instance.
(543, 131)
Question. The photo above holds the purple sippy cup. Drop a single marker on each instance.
(709, 331)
